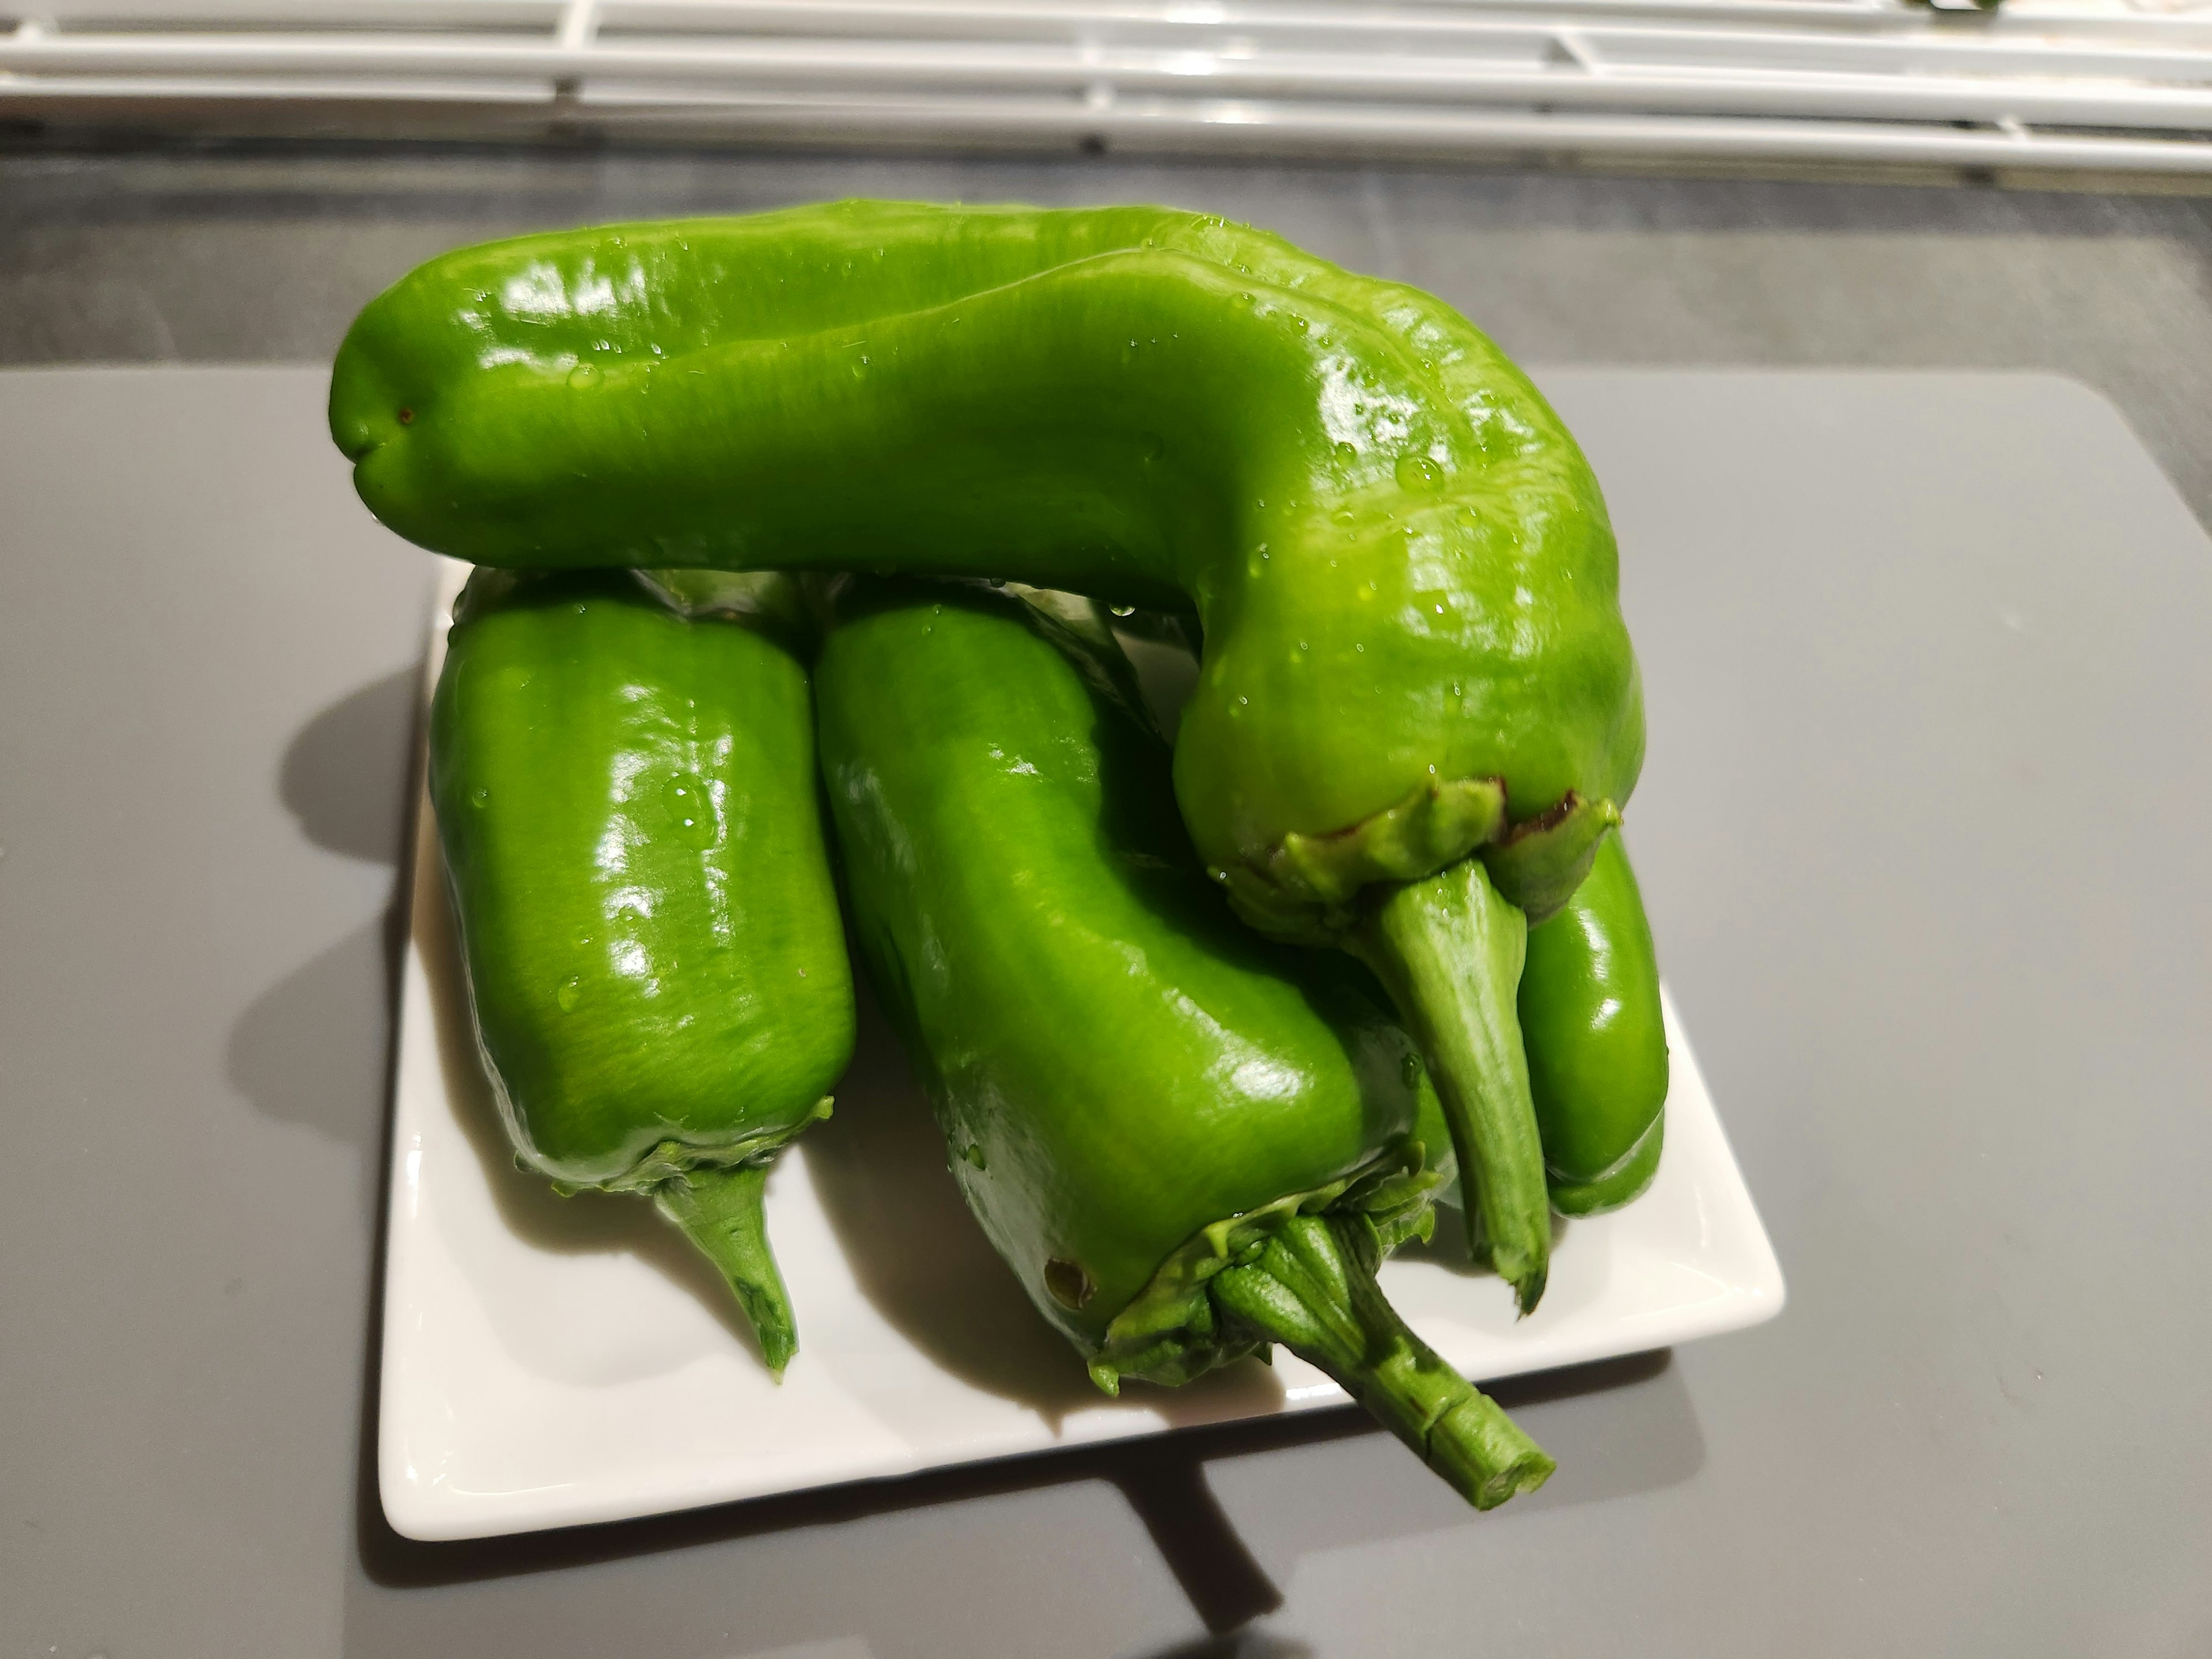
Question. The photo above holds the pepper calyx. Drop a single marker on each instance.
(1313, 1289)
(1305, 887)
(1169, 1334)
(671, 1159)
(1538, 863)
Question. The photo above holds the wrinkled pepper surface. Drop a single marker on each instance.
(627, 802)
(1187, 1142)
(1417, 712)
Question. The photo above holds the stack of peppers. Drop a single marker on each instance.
(1204, 1031)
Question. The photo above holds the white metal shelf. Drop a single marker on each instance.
(2049, 83)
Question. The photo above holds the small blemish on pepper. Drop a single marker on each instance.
(1068, 1284)
(406, 418)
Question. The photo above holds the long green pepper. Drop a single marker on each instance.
(1400, 562)
(1185, 1142)
(656, 965)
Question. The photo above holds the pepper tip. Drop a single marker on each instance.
(1529, 1291)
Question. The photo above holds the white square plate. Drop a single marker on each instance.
(537, 1348)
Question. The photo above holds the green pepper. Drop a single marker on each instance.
(1596, 1041)
(632, 839)
(1187, 1142)
(1401, 563)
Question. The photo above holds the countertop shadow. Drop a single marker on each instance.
(346, 773)
(1163, 1478)
(301, 1052)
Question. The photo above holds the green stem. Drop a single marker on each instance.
(1312, 1289)
(719, 1211)
(1449, 950)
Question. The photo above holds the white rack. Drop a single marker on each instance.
(2048, 84)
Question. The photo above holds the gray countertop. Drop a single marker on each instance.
(1930, 709)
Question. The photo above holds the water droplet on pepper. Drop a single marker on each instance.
(690, 808)
(1418, 474)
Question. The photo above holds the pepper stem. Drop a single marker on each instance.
(1312, 1289)
(1449, 949)
(719, 1211)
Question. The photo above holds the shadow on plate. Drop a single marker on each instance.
(588, 1224)
(878, 1170)
(1446, 1248)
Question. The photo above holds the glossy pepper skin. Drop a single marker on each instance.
(633, 841)
(1185, 1141)
(1401, 563)
(1596, 1041)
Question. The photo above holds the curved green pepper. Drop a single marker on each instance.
(1185, 1141)
(1404, 570)
(1596, 1041)
(633, 839)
